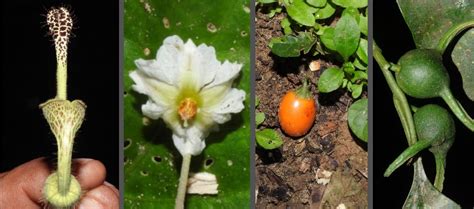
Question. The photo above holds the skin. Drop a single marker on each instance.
(22, 186)
(296, 114)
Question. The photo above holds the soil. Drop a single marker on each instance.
(287, 177)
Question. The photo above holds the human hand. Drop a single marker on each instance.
(22, 186)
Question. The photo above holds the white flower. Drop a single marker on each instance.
(189, 89)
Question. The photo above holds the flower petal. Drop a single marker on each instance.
(161, 93)
(231, 103)
(205, 65)
(168, 63)
(226, 72)
(153, 110)
(192, 142)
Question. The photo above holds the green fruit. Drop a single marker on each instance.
(435, 130)
(422, 74)
(435, 124)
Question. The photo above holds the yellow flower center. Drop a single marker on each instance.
(187, 109)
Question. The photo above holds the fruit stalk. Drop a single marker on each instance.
(399, 98)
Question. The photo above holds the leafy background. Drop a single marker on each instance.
(429, 20)
(394, 38)
(151, 162)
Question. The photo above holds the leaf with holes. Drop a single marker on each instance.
(152, 163)
(268, 139)
(291, 46)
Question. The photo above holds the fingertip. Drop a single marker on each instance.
(90, 173)
(102, 197)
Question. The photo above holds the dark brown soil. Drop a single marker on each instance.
(286, 177)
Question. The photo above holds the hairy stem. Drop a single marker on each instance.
(183, 182)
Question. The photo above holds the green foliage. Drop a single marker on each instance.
(346, 36)
(330, 80)
(358, 119)
(344, 43)
(152, 163)
(291, 46)
(265, 138)
(268, 138)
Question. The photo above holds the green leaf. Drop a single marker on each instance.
(291, 46)
(430, 20)
(463, 58)
(357, 117)
(364, 25)
(273, 12)
(351, 3)
(362, 51)
(346, 36)
(359, 64)
(268, 139)
(301, 12)
(423, 194)
(325, 12)
(285, 24)
(257, 101)
(356, 90)
(327, 37)
(354, 12)
(152, 162)
(330, 80)
(317, 3)
(359, 75)
(267, 1)
(259, 118)
(348, 68)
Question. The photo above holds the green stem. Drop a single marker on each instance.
(451, 33)
(457, 109)
(303, 91)
(183, 182)
(400, 100)
(440, 166)
(407, 154)
(64, 164)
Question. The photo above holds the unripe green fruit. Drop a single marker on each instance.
(422, 74)
(435, 124)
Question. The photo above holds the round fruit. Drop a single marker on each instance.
(297, 112)
(435, 124)
(422, 74)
